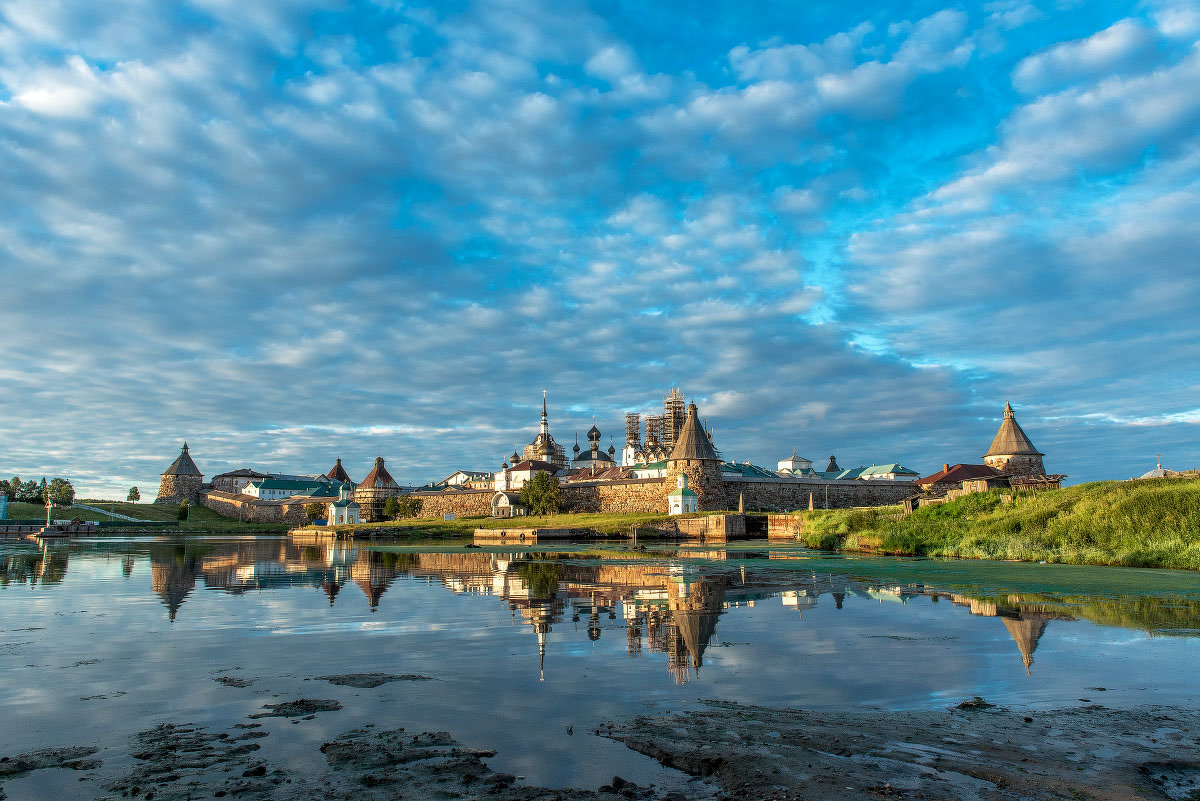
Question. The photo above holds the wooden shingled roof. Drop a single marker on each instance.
(1011, 440)
(693, 441)
(183, 466)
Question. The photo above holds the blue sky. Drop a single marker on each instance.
(291, 231)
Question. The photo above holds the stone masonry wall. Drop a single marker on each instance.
(251, 509)
(468, 503)
(173, 489)
(764, 495)
(649, 496)
(629, 497)
(1022, 465)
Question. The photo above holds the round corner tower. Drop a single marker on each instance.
(695, 456)
(372, 494)
(1011, 451)
(182, 481)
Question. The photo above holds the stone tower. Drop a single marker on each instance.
(373, 492)
(182, 481)
(1011, 450)
(695, 456)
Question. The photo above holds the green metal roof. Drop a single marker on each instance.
(681, 492)
(748, 470)
(884, 469)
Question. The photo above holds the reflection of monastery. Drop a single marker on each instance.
(660, 609)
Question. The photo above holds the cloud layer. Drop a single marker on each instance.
(290, 231)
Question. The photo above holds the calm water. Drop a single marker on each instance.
(530, 650)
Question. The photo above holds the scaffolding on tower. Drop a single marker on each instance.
(633, 429)
(674, 414)
(654, 427)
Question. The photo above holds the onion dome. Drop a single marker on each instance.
(576, 448)
(593, 433)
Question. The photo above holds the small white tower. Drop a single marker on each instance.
(682, 501)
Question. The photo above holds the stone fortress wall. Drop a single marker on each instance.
(251, 509)
(649, 496)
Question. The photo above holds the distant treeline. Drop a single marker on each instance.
(58, 489)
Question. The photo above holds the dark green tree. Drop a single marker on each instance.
(5, 487)
(42, 491)
(391, 508)
(541, 494)
(314, 511)
(185, 509)
(134, 495)
(29, 492)
(408, 506)
(61, 491)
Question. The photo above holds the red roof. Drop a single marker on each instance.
(533, 464)
(959, 473)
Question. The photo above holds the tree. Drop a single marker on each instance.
(408, 506)
(61, 491)
(4, 487)
(185, 509)
(541, 494)
(134, 495)
(42, 491)
(314, 511)
(23, 491)
(391, 508)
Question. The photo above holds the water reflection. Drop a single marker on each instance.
(670, 604)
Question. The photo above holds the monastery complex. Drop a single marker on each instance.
(671, 468)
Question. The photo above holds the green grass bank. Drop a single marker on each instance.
(1153, 523)
(200, 519)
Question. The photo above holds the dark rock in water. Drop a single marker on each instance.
(73, 757)
(471, 545)
(257, 770)
(298, 708)
(368, 680)
(975, 703)
(233, 681)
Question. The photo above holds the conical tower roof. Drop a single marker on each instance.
(338, 473)
(379, 477)
(693, 441)
(1011, 440)
(1026, 631)
(183, 466)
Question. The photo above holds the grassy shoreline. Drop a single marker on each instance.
(1153, 523)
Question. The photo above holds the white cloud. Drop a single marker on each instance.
(1126, 44)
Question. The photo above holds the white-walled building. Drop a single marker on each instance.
(343, 511)
(796, 465)
(681, 500)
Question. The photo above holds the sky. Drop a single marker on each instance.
(291, 231)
